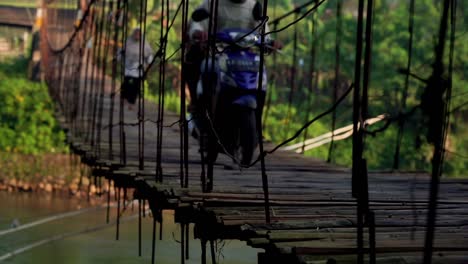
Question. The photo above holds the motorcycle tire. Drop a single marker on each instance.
(247, 135)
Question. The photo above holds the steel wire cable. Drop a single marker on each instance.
(438, 118)
(292, 80)
(314, 8)
(87, 51)
(116, 17)
(77, 83)
(91, 82)
(338, 34)
(313, 82)
(75, 32)
(122, 136)
(158, 54)
(94, 77)
(103, 74)
(265, 188)
(164, 31)
(401, 125)
(184, 142)
(141, 98)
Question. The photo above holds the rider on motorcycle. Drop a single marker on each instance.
(244, 14)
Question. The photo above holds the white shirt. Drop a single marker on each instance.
(132, 57)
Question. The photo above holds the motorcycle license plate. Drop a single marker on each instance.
(242, 65)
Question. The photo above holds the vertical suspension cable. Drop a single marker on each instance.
(436, 86)
(95, 72)
(292, 80)
(206, 170)
(336, 81)
(187, 241)
(74, 98)
(88, 38)
(161, 84)
(357, 134)
(65, 88)
(272, 79)
(401, 122)
(69, 68)
(141, 99)
(98, 95)
(91, 93)
(182, 243)
(117, 229)
(139, 224)
(448, 95)
(140, 90)
(367, 62)
(68, 60)
(108, 44)
(116, 18)
(312, 82)
(364, 196)
(60, 79)
(186, 134)
(72, 87)
(143, 81)
(207, 138)
(162, 80)
(183, 121)
(76, 80)
(63, 72)
(153, 244)
(123, 148)
(272, 82)
(453, 26)
(71, 99)
(103, 68)
(266, 194)
(92, 62)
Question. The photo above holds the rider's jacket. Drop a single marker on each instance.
(230, 14)
(132, 57)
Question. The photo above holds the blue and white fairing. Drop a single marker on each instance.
(239, 67)
(238, 64)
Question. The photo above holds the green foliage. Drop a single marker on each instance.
(389, 56)
(27, 123)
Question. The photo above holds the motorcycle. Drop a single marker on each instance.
(228, 91)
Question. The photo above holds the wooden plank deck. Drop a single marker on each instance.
(313, 215)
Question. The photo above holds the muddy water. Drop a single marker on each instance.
(84, 237)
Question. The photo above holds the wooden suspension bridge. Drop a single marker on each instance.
(311, 205)
(297, 209)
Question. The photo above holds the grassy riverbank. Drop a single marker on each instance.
(33, 154)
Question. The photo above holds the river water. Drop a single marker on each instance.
(80, 234)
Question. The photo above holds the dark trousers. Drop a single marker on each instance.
(130, 89)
